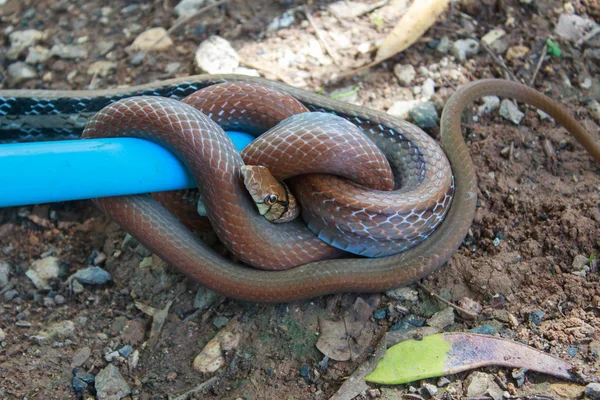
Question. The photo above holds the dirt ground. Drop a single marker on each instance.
(539, 209)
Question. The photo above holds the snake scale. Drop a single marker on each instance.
(35, 114)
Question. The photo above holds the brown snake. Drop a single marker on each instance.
(167, 237)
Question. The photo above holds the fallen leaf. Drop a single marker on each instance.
(450, 353)
(348, 338)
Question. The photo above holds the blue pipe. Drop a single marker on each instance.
(46, 172)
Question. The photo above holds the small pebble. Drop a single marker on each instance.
(424, 115)
(536, 317)
(462, 49)
(405, 73)
(592, 391)
(304, 371)
(380, 314)
(59, 299)
(511, 112)
(483, 330)
(125, 351)
(430, 390)
(443, 381)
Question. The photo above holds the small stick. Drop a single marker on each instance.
(500, 62)
(321, 37)
(539, 64)
(475, 316)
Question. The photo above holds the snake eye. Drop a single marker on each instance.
(270, 199)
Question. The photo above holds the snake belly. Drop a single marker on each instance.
(165, 235)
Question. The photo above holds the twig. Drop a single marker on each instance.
(203, 386)
(184, 20)
(475, 316)
(539, 64)
(500, 62)
(321, 37)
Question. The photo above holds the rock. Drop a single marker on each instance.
(285, 20)
(574, 27)
(380, 315)
(430, 390)
(187, 7)
(59, 299)
(137, 59)
(104, 47)
(442, 319)
(5, 268)
(428, 89)
(516, 52)
(2, 336)
(490, 103)
(126, 351)
(492, 36)
(592, 391)
(172, 67)
(480, 384)
(204, 298)
(81, 357)
(134, 360)
(156, 39)
(405, 73)
(536, 317)
(63, 329)
(78, 385)
(19, 72)
(110, 384)
(211, 357)
(580, 265)
(424, 115)
(462, 49)
(10, 294)
(216, 56)
(403, 294)
(22, 40)
(511, 112)
(470, 305)
(444, 45)
(69, 51)
(77, 287)
(90, 276)
(146, 263)
(400, 109)
(111, 356)
(42, 271)
(220, 321)
(49, 302)
(443, 381)
(37, 55)
(102, 69)
(594, 108)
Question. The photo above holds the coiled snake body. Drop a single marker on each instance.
(166, 236)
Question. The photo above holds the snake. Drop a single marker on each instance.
(25, 113)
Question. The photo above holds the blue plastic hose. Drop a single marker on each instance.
(46, 172)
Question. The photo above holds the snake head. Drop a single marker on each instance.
(273, 199)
